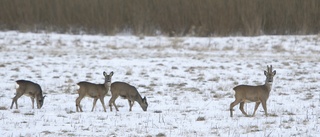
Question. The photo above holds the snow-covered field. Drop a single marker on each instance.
(188, 83)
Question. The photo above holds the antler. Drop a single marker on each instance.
(269, 69)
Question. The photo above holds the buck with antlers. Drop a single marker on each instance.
(258, 94)
(31, 89)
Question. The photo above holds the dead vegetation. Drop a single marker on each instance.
(166, 17)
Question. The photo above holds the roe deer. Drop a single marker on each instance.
(31, 89)
(95, 91)
(258, 94)
(126, 91)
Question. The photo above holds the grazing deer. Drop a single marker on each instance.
(95, 91)
(126, 91)
(258, 94)
(31, 89)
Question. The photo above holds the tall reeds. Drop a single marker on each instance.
(166, 17)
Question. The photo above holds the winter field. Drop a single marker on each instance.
(188, 83)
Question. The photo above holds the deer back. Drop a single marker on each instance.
(129, 92)
(125, 91)
(251, 93)
(29, 88)
(92, 89)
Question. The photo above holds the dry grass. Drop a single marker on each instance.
(29, 113)
(167, 17)
(3, 108)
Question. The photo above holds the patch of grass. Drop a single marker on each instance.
(60, 115)
(64, 131)
(201, 119)
(46, 132)
(216, 79)
(3, 108)
(192, 89)
(308, 96)
(272, 115)
(253, 128)
(290, 113)
(228, 48)
(161, 135)
(71, 135)
(174, 67)
(157, 111)
(16, 111)
(29, 113)
(270, 122)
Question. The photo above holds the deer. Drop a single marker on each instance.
(258, 94)
(126, 91)
(95, 91)
(31, 89)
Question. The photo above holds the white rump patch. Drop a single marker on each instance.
(17, 86)
(77, 86)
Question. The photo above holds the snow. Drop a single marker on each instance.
(188, 83)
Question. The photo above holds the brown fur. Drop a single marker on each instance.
(126, 91)
(95, 91)
(31, 89)
(258, 94)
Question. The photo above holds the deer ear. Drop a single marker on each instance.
(104, 73)
(145, 99)
(265, 73)
(111, 73)
(274, 72)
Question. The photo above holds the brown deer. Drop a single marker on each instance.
(126, 91)
(95, 91)
(31, 89)
(258, 94)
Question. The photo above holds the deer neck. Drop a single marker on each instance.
(107, 85)
(138, 98)
(268, 85)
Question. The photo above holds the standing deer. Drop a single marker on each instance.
(95, 91)
(31, 89)
(126, 91)
(258, 94)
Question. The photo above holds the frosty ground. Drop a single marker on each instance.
(188, 83)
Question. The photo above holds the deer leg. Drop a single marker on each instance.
(114, 104)
(236, 102)
(15, 99)
(110, 104)
(38, 103)
(264, 105)
(78, 106)
(255, 108)
(112, 101)
(102, 102)
(32, 100)
(130, 104)
(94, 103)
(242, 110)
